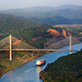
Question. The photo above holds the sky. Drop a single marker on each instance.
(13, 4)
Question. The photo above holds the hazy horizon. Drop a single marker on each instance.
(15, 4)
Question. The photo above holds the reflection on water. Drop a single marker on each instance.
(29, 72)
(11, 77)
(38, 69)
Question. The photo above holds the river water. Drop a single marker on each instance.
(28, 72)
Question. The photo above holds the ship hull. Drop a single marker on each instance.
(41, 64)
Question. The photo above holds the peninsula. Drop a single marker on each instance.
(64, 69)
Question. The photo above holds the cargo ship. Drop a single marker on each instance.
(40, 62)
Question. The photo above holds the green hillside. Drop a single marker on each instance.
(31, 32)
(65, 69)
(9, 23)
(75, 30)
(38, 36)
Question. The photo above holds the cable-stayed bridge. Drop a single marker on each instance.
(11, 43)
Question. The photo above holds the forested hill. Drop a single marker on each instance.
(41, 36)
(57, 20)
(64, 69)
(65, 14)
(9, 23)
(34, 33)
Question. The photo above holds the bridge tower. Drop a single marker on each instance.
(10, 42)
(70, 43)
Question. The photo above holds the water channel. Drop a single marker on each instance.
(28, 72)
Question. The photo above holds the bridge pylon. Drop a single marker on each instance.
(10, 42)
(70, 41)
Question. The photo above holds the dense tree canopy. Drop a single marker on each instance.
(65, 69)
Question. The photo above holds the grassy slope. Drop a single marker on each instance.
(19, 59)
(64, 69)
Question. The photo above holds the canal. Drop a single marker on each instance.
(28, 72)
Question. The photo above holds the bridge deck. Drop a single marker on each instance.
(38, 50)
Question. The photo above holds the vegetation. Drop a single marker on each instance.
(57, 20)
(38, 36)
(35, 36)
(32, 33)
(74, 30)
(9, 23)
(65, 69)
(19, 58)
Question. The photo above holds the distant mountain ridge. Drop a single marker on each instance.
(46, 14)
(44, 10)
(75, 7)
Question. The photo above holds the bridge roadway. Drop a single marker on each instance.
(38, 50)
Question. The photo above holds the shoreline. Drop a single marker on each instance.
(19, 64)
(70, 69)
